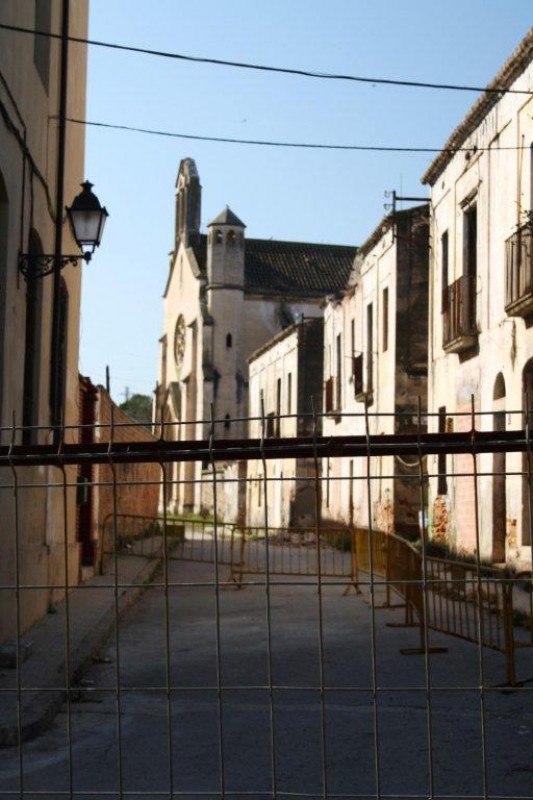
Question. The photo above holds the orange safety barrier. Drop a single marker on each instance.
(470, 601)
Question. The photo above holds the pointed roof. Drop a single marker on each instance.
(227, 217)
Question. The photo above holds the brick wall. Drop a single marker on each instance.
(465, 491)
(138, 485)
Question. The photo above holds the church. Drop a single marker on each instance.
(226, 296)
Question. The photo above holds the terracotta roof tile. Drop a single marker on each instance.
(296, 268)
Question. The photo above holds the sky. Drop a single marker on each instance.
(283, 193)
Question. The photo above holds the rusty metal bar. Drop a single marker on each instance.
(255, 449)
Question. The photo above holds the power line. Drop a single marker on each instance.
(302, 145)
(264, 68)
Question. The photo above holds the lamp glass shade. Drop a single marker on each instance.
(87, 218)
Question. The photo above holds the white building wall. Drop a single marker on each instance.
(347, 497)
(277, 363)
(499, 182)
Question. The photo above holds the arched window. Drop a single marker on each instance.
(4, 227)
(227, 422)
(499, 387)
(527, 482)
(41, 44)
(230, 238)
(229, 341)
(218, 237)
(58, 375)
(499, 490)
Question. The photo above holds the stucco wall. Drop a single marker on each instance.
(496, 176)
(27, 206)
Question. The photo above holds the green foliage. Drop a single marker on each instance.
(340, 541)
(139, 408)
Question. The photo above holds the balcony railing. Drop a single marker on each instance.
(459, 315)
(519, 273)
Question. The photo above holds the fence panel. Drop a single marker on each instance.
(148, 674)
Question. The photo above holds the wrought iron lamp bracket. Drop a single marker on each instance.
(38, 266)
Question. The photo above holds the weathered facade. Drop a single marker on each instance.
(285, 400)
(111, 490)
(225, 297)
(376, 359)
(481, 339)
(35, 523)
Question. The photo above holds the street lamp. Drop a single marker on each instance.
(87, 220)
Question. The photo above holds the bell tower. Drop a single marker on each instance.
(225, 303)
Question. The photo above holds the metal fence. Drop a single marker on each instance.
(211, 658)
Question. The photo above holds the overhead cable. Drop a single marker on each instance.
(264, 68)
(303, 145)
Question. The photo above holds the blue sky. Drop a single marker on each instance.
(291, 194)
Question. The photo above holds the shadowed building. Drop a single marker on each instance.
(38, 385)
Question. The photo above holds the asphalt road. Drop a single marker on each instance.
(278, 692)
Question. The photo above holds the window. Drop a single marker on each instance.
(444, 246)
(385, 332)
(531, 177)
(218, 237)
(369, 348)
(41, 44)
(357, 371)
(338, 380)
(470, 260)
(230, 238)
(328, 395)
(227, 422)
(278, 408)
(270, 425)
(229, 341)
(164, 352)
(289, 393)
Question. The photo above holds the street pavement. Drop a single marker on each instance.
(91, 618)
(278, 690)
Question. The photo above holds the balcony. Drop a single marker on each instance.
(519, 273)
(459, 315)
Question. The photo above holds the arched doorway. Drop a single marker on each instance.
(499, 499)
(527, 460)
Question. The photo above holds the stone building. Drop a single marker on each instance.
(481, 300)
(285, 400)
(37, 388)
(375, 359)
(226, 295)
